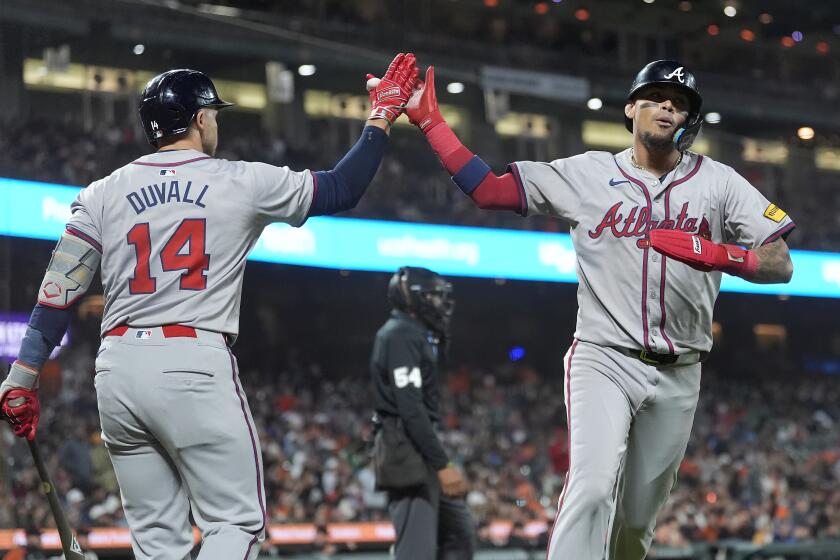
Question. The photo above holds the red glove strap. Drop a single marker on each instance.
(430, 121)
(738, 261)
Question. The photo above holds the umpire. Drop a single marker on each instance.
(425, 490)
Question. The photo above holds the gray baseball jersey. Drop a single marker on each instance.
(639, 414)
(629, 295)
(174, 230)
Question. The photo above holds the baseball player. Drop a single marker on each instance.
(425, 495)
(171, 232)
(653, 226)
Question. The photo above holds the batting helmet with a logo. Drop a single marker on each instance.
(671, 72)
(171, 100)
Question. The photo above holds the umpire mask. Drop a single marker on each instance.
(425, 294)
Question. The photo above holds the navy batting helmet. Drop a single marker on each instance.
(671, 72)
(171, 100)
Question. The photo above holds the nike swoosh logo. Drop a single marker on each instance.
(614, 183)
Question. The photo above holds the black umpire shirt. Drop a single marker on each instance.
(404, 366)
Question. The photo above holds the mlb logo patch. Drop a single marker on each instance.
(167, 172)
(142, 335)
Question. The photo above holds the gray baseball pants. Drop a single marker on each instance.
(182, 440)
(629, 424)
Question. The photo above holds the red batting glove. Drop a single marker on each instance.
(704, 255)
(22, 410)
(389, 95)
(422, 109)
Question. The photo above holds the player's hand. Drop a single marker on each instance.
(704, 255)
(422, 109)
(389, 95)
(452, 482)
(20, 408)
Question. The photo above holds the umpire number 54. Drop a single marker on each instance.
(404, 377)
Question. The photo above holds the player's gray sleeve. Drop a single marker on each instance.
(551, 189)
(749, 218)
(280, 194)
(86, 216)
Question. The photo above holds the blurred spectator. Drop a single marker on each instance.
(750, 473)
(31, 551)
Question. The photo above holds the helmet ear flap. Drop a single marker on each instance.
(684, 136)
(399, 293)
(403, 286)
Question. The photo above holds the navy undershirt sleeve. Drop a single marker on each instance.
(341, 188)
(47, 326)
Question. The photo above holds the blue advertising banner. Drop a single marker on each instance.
(40, 210)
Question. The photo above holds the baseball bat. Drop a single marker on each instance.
(69, 544)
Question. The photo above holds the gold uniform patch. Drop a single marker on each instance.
(775, 213)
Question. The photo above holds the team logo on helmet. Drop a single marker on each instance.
(678, 73)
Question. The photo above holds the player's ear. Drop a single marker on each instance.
(630, 110)
(201, 118)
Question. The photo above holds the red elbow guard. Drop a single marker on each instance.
(499, 193)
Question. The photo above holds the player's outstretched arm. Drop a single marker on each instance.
(768, 264)
(69, 275)
(342, 187)
(469, 172)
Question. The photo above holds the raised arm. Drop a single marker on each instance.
(469, 172)
(342, 187)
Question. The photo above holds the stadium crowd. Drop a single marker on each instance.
(541, 36)
(409, 186)
(750, 473)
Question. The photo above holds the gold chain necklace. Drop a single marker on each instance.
(643, 168)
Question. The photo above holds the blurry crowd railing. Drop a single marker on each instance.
(763, 464)
(409, 186)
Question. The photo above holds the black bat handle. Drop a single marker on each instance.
(69, 544)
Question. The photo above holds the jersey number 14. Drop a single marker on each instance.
(194, 263)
